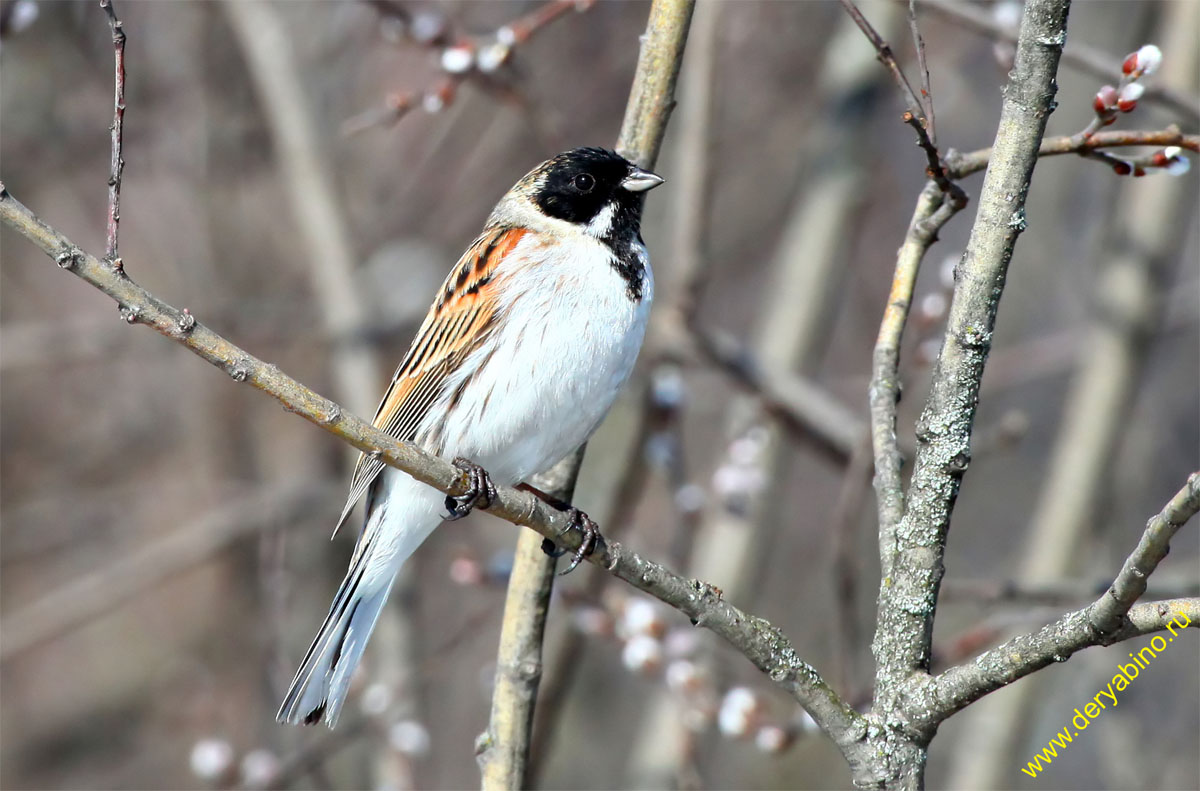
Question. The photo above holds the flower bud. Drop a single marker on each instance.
(739, 709)
(772, 739)
(1147, 59)
(642, 654)
(458, 59)
(1179, 165)
(1122, 168)
(211, 758)
(1106, 97)
(1127, 100)
(493, 56)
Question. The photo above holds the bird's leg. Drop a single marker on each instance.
(480, 491)
(575, 519)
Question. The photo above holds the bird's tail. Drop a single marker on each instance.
(406, 512)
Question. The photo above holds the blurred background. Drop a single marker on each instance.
(302, 175)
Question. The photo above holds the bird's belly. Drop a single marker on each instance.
(553, 371)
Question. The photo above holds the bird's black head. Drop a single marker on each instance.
(595, 188)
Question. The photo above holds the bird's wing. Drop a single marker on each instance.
(462, 317)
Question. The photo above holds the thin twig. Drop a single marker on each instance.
(958, 687)
(884, 51)
(931, 213)
(117, 161)
(961, 165)
(923, 68)
(1107, 614)
(935, 168)
(1062, 591)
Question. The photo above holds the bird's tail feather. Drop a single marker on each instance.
(319, 688)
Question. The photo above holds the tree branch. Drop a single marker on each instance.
(908, 591)
(117, 161)
(1107, 614)
(961, 686)
(932, 212)
(1110, 619)
(961, 165)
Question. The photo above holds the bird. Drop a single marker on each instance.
(527, 343)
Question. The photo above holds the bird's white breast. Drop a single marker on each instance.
(568, 340)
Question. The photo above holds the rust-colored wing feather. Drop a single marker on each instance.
(460, 319)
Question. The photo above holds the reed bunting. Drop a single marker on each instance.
(531, 336)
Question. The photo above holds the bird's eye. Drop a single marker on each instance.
(584, 182)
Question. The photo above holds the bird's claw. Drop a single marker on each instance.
(480, 491)
(591, 534)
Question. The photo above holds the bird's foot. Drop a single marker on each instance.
(591, 534)
(575, 519)
(480, 491)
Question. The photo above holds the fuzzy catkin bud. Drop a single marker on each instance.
(458, 59)
(1128, 98)
(1178, 164)
(1149, 59)
(1105, 99)
(642, 654)
(211, 758)
(739, 709)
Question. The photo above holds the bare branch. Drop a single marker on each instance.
(117, 161)
(923, 67)
(502, 751)
(961, 165)
(1110, 619)
(961, 686)
(652, 97)
(1107, 613)
(908, 591)
(1062, 591)
(935, 168)
(911, 98)
(932, 212)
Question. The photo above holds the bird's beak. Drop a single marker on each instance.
(640, 180)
